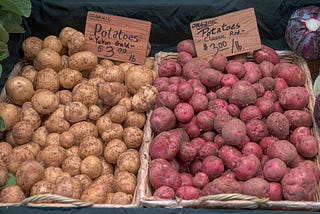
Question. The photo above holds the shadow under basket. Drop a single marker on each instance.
(227, 201)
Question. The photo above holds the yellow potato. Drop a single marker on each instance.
(124, 181)
(29, 72)
(19, 90)
(83, 60)
(76, 43)
(137, 76)
(45, 102)
(39, 136)
(132, 137)
(31, 46)
(56, 124)
(91, 166)
(68, 78)
(113, 149)
(72, 165)
(10, 114)
(65, 34)
(47, 58)
(12, 194)
(52, 42)
(86, 94)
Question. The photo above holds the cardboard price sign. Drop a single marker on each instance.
(117, 38)
(230, 34)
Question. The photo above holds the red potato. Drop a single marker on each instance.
(283, 150)
(184, 166)
(183, 57)
(307, 146)
(197, 142)
(200, 180)
(218, 139)
(259, 89)
(180, 133)
(161, 173)
(218, 62)
(167, 99)
(265, 106)
(208, 136)
(252, 72)
(297, 161)
(312, 166)
(268, 83)
(175, 164)
(271, 95)
(164, 192)
(247, 167)
(233, 110)
(274, 169)
(222, 185)
(223, 93)
(279, 85)
(266, 142)
(186, 179)
(242, 94)
(193, 130)
(183, 112)
(278, 125)
(266, 54)
(211, 95)
(205, 120)
(168, 68)
(196, 166)
(193, 68)
(188, 193)
(299, 185)
(207, 149)
(210, 77)
(298, 118)
(213, 166)
(228, 80)
(165, 145)
(218, 106)
(197, 86)
(162, 119)
(252, 148)
(188, 46)
(291, 73)
(256, 130)
(234, 132)
(187, 152)
(230, 156)
(266, 68)
(236, 68)
(256, 187)
(250, 112)
(277, 107)
(176, 80)
(161, 83)
(264, 159)
(173, 88)
(298, 133)
(185, 90)
(229, 175)
(294, 98)
(199, 102)
(275, 191)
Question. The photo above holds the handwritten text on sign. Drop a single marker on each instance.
(117, 38)
(230, 34)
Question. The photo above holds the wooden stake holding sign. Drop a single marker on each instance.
(117, 38)
(228, 35)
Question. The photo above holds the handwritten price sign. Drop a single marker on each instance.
(117, 38)
(230, 34)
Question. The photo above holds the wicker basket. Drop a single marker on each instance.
(230, 201)
(60, 201)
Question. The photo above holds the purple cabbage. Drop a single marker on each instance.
(316, 111)
(303, 32)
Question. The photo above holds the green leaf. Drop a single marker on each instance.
(4, 51)
(11, 181)
(4, 35)
(20, 7)
(2, 123)
(11, 22)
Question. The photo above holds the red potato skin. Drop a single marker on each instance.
(176, 80)
(277, 107)
(266, 68)
(197, 86)
(297, 133)
(210, 77)
(268, 83)
(291, 73)
(259, 89)
(233, 110)
(299, 185)
(183, 112)
(218, 62)
(298, 118)
(250, 112)
(193, 68)
(264, 159)
(164, 192)
(275, 191)
(213, 166)
(205, 120)
(271, 95)
(183, 57)
(188, 193)
(234, 132)
(256, 130)
(265, 106)
(162, 119)
(256, 187)
(247, 167)
(187, 152)
(200, 180)
(185, 91)
(252, 72)
(307, 146)
(197, 143)
(186, 179)
(167, 99)
(266, 142)
(188, 46)
(173, 88)
(180, 133)
(223, 93)
(297, 161)
(183, 166)
(169, 68)
(274, 169)
(294, 98)
(208, 149)
(230, 156)
(196, 166)
(222, 185)
(283, 150)
(252, 148)
(229, 175)
(236, 68)
(279, 85)
(161, 83)
(242, 94)
(161, 173)
(218, 106)
(199, 102)
(208, 136)
(193, 131)
(228, 80)
(219, 141)
(165, 145)
(211, 95)
(266, 54)
(278, 125)
(312, 166)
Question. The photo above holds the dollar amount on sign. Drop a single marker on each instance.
(216, 47)
(107, 50)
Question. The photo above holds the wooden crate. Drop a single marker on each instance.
(230, 201)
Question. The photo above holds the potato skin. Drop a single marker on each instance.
(22, 132)
(82, 129)
(3, 172)
(121, 198)
(90, 145)
(31, 46)
(83, 60)
(118, 113)
(96, 193)
(47, 58)
(124, 181)
(65, 34)
(68, 78)
(29, 72)
(66, 139)
(145, 98)
(114, 131)
(39, 136)
(41, 187)
(52, 173)
(68, 187)
(72, 165)
(10, 114)
(5, 151)
(52, 155)
(76, 43)
(113, 149)
(132, 137)
(56, 125)
(137, 76)
(75, 112)
(135, 119)
(19, 89)
(31, 115)
(129, 161)
(12, 194)
(52, 42)
(45, 102)
(86, 94)
(17, 157)
(29, 173)
(111, 92)
(91, 166)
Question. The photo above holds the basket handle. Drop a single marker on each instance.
(55, 198)
(232, 196)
